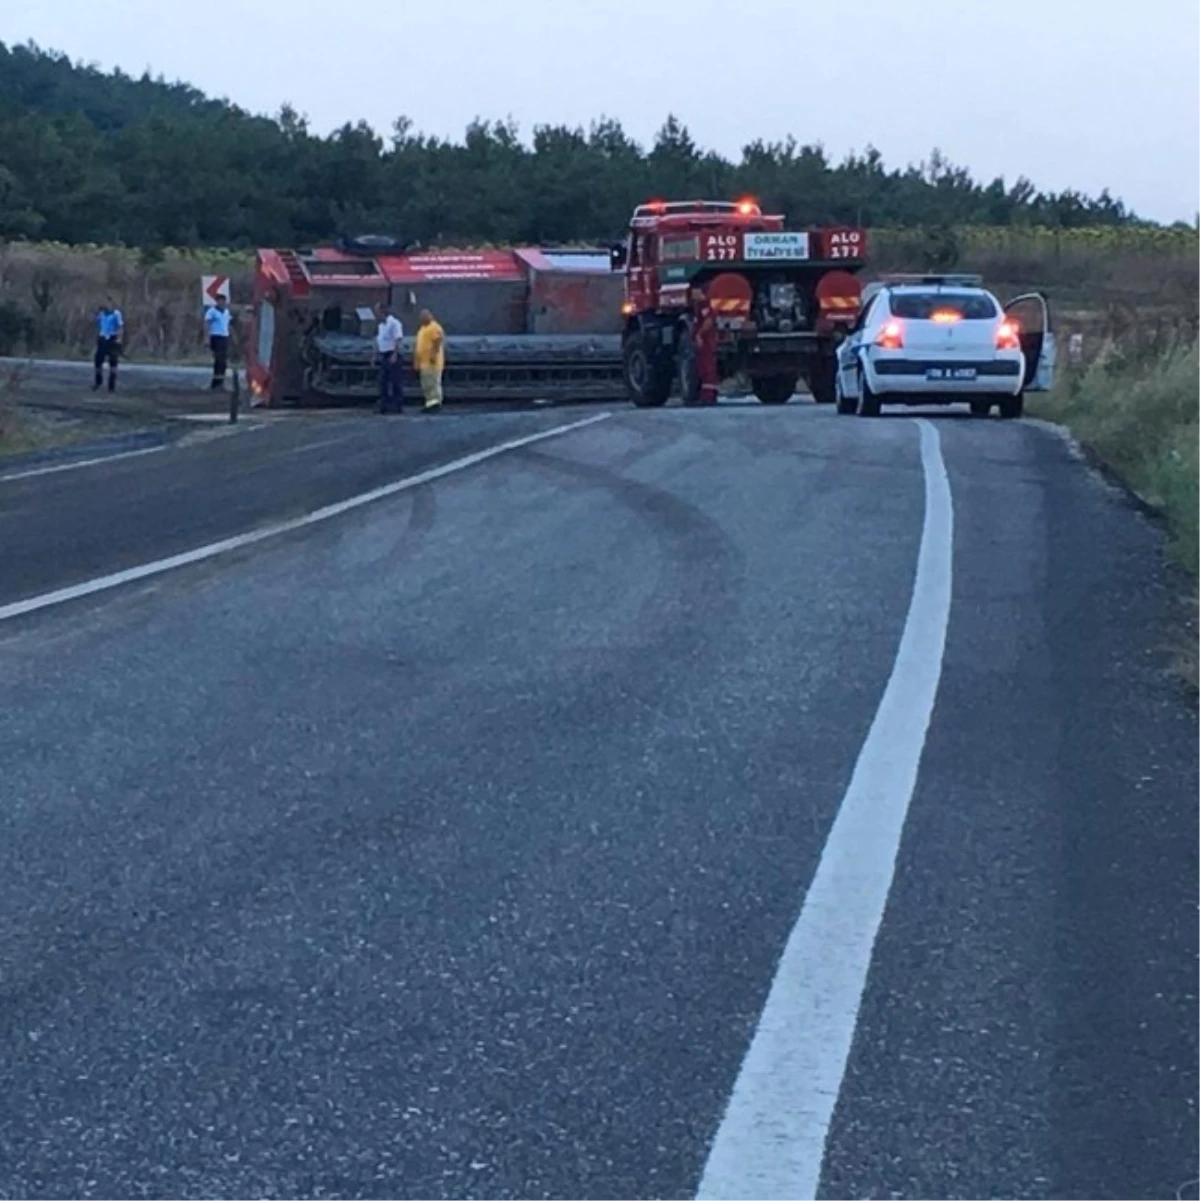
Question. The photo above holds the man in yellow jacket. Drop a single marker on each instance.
(429, 358)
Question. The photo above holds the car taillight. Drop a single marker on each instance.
(1007, 336)
(891, 337)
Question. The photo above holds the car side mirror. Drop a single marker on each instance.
(618, 256)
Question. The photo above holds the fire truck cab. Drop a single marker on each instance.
(782, 299)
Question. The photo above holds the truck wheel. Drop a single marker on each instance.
(822, 380)
(648, 383)
(1012, 406)
(688, 370)
(981, 407)
(775, 389)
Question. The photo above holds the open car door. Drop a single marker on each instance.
(1031, 312)
(847, 364)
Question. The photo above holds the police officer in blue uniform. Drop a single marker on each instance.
(110, 330)
(217, 320)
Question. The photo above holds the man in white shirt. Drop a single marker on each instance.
(388, 337)
(217, 319)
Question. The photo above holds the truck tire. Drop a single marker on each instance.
(822, 379)
(980, 406)
(647, 376)
(775, 389)
(687, 370)
(1012, 407)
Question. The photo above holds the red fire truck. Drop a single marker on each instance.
(781, 300)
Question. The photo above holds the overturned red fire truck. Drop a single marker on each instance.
(521, 324)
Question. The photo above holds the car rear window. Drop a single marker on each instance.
(920, 306)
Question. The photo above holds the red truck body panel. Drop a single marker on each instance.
(506, 294)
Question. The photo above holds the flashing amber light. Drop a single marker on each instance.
(746, 207)
(1008, 336)
(945, 316)
(891, 337)
(627, 307)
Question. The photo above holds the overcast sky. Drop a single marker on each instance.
(1068, 92)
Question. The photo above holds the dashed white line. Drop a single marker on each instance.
(211, 550)
(74, 466)
(771, 1141)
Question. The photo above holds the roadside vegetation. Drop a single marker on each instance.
(102, 157)
(1136, 407)
(1104, 283)
(49, 293)
(23, 431)
(30, 428)
(13, 433)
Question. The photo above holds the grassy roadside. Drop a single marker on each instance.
(17, 433)
(1138, 413)
(30, 432)
(28, 428)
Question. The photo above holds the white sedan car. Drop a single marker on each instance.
(941, 339)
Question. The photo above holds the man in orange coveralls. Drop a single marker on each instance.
(705, 334)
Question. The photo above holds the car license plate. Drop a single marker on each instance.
(949, 373)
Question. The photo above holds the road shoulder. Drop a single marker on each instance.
(1036, 974)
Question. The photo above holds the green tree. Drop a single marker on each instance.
(90, 156)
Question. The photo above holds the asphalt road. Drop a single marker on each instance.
(450, 847)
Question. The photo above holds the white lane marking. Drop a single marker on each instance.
(771, 1141)
(212, 549)
(305, 447)
(124, 454)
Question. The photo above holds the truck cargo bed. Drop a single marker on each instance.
(480, 367)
